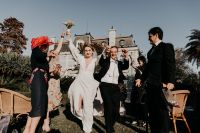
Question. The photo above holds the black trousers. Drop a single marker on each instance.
(111, 98)
(157, 108)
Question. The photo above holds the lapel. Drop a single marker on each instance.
(151, 52)
(155, 51)
(107, 64)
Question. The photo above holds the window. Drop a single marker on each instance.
(104, 43)
(79, 43)
(122, 43)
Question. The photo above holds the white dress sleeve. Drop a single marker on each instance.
(74, 51)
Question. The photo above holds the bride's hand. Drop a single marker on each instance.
(62, 35)
(68, 33)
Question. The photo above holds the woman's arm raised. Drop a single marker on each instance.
(74, 51)
(57, 50)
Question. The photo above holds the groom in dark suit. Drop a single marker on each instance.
(109, 76)
(158, 74)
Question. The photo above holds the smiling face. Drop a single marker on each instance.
(88, 52)
(113, 53)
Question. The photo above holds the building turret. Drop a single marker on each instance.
(112, 36)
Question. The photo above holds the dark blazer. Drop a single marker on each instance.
(161, 64)
(104, 64)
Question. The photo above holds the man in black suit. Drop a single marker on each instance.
(158, 74)
(110, 75)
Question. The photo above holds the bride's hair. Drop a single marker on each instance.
(88, 45)
(94, 54)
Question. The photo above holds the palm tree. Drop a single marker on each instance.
(193, 47)
(12, 38)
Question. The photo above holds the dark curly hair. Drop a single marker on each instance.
(141, 58)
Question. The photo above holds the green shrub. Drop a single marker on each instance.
(14, 71)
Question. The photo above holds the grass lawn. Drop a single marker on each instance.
(65, 122)
(62, 121)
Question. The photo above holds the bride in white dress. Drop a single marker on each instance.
(83, 90)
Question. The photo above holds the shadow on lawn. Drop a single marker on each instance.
(126, 121)
(71, 117)
(54, 131)
(97, 126)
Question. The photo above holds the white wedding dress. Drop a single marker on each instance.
(85, 86)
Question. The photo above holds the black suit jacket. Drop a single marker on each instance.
(104, 64)
(161, 64)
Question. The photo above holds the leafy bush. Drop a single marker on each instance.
(14, 71)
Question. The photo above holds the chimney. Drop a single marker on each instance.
(112, 36)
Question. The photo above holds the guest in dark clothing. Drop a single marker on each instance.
(39, 82)
(138, 95)
(159, 73)
(110, 75)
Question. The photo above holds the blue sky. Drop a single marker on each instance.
(45, 17)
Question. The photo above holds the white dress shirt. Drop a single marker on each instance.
(156, 44)
(112, 74)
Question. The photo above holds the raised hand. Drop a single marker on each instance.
(107, 51)
(125, 53)
(62, 35)
(57, 50)
(51, 54)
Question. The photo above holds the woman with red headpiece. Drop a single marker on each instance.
(39, 81)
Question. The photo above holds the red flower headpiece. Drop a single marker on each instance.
(39, 41)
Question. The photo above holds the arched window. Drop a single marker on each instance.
(103, 43)
(122, 43)
(79, 43)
